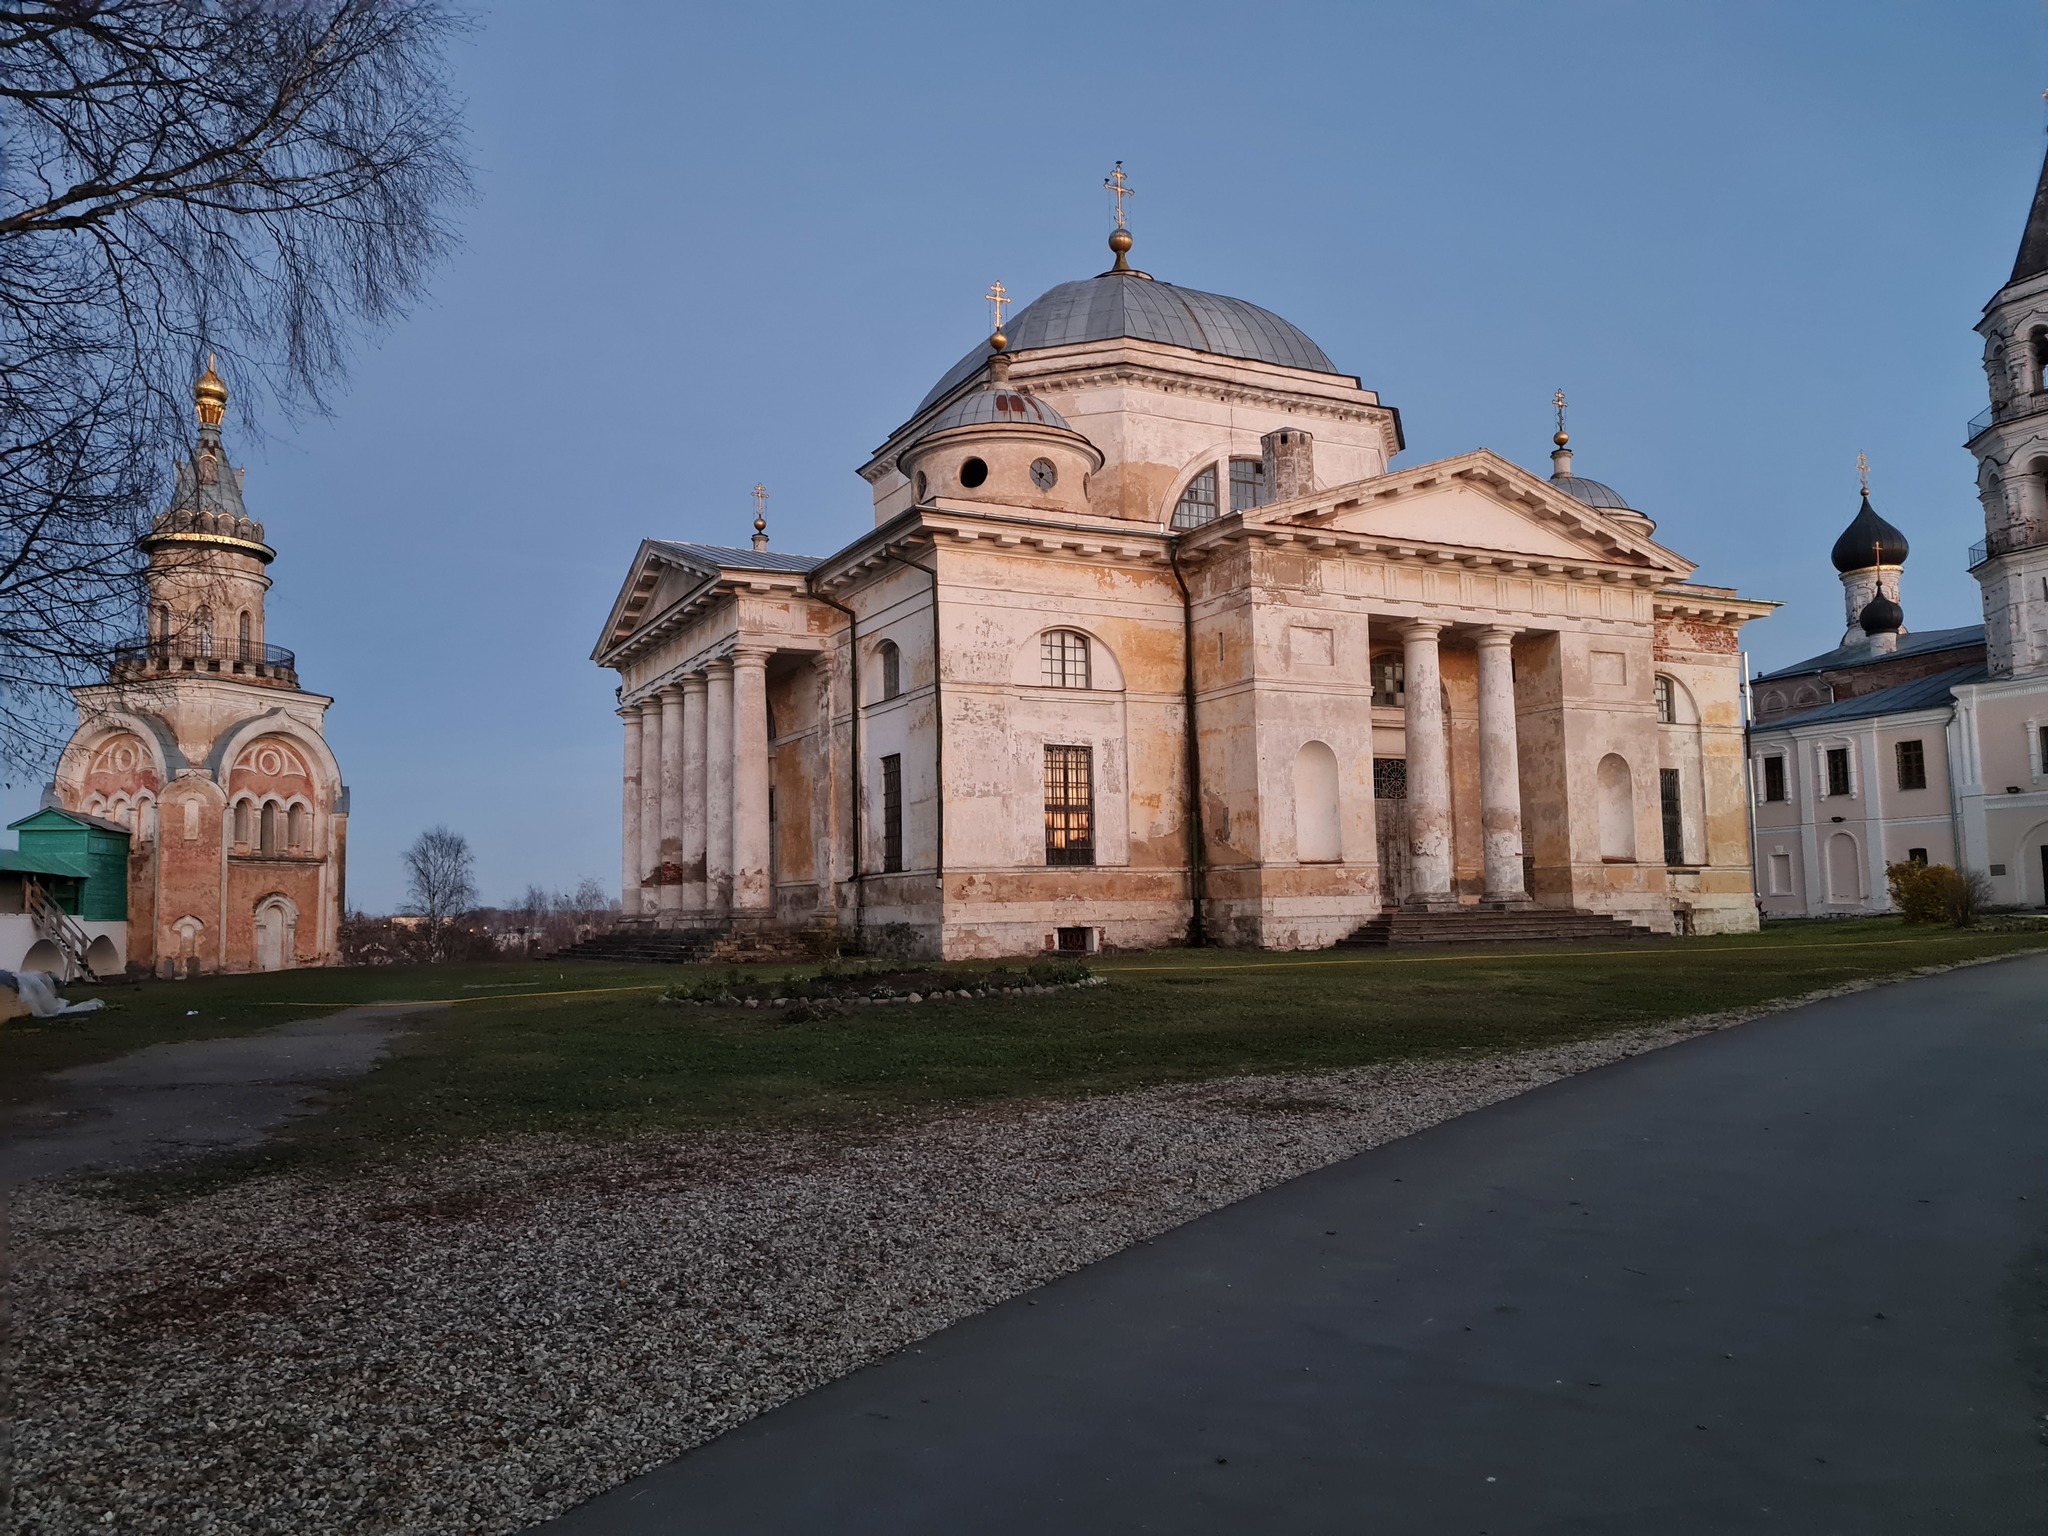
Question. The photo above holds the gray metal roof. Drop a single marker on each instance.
(1107, 307)
(1861, 655)
(720, 557)
(1901, 698)
(984, 407)
(1591, 492)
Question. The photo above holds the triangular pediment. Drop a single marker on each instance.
(661, 576)
(1477, 501)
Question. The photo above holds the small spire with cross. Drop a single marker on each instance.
(1558, 401)
(1119, 187)
(1561, 455)
(760, 516)
(999, 300)
(1863, 474)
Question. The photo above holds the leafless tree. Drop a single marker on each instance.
(440, 883)
(257, 178)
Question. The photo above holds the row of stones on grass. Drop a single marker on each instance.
(936, 995)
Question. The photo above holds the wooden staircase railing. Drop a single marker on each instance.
(52, 922)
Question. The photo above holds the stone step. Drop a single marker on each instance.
(1488, 925)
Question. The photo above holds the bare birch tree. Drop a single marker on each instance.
(440, 883)
(257, 178)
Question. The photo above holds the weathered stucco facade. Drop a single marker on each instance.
(204, 746)
(1146, 543)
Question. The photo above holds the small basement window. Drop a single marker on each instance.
(1075, 941)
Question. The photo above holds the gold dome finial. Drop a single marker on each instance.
(760, 515)
(210, 396)
(999, 300)
(1119, 187)
(1563, 436)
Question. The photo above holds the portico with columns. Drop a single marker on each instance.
(1150, 642)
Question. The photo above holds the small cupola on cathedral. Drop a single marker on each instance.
(206, 504)
(1591, 493)
(1869, 552)
(1001, 444)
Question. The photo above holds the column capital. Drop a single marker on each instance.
(672, 689)
(1422, 629)
(751, 655)
(718, 667)
(1499, 634)
(694, 682)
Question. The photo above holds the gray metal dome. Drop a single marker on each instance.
(1124, 304)
(991, 407)
(1591, 492)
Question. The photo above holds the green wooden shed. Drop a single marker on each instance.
(53, 839)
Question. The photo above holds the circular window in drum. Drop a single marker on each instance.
(1043, 474)
(973, 473)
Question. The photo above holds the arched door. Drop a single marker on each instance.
(276, 934)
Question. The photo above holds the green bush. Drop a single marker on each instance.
(1935, 893)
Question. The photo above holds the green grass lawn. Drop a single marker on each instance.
(589, 1049)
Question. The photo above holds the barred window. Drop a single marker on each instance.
(1065, 659)
(1247, 485)
(1774, 778)
(892, 813)
(1674, 815)
(1198, 501)
(1912, 758)
(1069, 805)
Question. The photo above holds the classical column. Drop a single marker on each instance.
(693, 793)
(718, 786)
(750, 891)
(671, 799)
(1500, 774)
(1429, 769)
(650, 802)
(629, 872)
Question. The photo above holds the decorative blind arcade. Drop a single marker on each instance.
(1069, 805)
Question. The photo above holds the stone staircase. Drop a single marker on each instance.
(1488, 925)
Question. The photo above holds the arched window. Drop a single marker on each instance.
(892, 668)
(243, 637)
(1317, 836)
(1198, 501)
(1665, 713)
(202, 621)
(295, 829)
(1064, 659)
(163, 631)
(268, 826)
(1617, 811)
(2037, 357)
(245, 822)
(1248, 485)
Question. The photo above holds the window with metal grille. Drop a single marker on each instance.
(1674, 815)
(1065, 659)
(1069, 805)
(892, 669)
(1774, 778)
(1390, 778)
(1912, 760)
(1247, 485)
(892, 813)
(1389, 682)
(242, 635)
(1198, 501)
(1916, 856)
(1838, 770)
(1663, 695)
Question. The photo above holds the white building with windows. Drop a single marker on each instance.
(1931, 747)
(1150, 640)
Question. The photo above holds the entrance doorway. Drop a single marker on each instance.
(1390, 826)
(277, 922)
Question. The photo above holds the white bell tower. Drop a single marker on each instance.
(2010, 441)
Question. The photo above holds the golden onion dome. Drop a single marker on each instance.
(210, 395)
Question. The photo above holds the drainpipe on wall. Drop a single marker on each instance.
(1197, 935)
(938, 737)
(853, 689)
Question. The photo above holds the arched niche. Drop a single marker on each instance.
(1318, 827)
(1615, 791)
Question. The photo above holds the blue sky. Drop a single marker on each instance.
(716, 245)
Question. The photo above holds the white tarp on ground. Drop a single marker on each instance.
(38, 992)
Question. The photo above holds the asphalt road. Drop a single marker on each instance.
(1792, 1277)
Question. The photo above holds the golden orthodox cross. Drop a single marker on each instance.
(1119, 188)
(1559, 401)
(1863, 472)
(999, 299)
(760, 507)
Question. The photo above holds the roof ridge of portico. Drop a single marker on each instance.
(1467, 466)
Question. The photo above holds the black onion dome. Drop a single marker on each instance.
(1868, 541)
(1881, 616)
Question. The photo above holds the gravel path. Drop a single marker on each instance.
(477, 1344)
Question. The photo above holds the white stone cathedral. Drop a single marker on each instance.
(1151, 641)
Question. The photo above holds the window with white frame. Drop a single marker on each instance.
(1835, 765)
(1063, 659)
(1248, 485)
(1198, 502)
(1662, 690)
(1774, 779)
